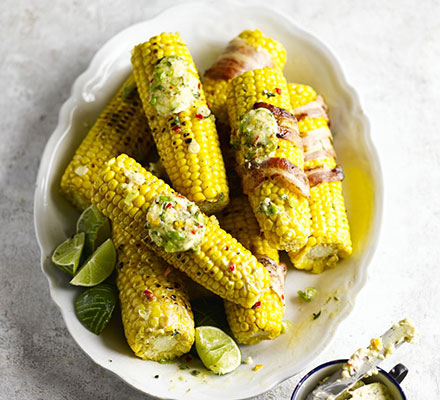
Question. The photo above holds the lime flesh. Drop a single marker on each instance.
(217, 350)
(96, 226)
(94, 307)
(98, 266)
(68, 254)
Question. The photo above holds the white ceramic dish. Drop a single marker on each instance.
(309, 62)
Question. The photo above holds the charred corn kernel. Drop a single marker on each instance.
(156, 312)
(198, 265)
(121, 128)
(330, 239)
(265, 320)
(249, 50)
(287, 226)
(187, 138)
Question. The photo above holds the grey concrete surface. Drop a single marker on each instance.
(390, 52)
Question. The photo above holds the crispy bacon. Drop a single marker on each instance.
(287, 123)
(314, 109)
(239, 57)
(254, 174)
(316, 155)
(318, 144)
(278, 274)
(323, 174)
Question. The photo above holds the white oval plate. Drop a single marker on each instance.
(206, 27)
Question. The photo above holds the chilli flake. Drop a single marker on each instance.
(149, 295)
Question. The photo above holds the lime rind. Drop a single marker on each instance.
(94, 307)
(68, 254)
(96, 226)
(98, 267)
(217, 350)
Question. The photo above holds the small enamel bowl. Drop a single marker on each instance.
(390, 379)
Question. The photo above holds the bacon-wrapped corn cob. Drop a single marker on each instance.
(263, 321)
(121, 128)
(181, 123)
(269, 156)
(156, 312)
(249, 50)
(127, 193)
(330, 238)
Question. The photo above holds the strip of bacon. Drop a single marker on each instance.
(287, 123)
(323, 174)
(239, 57)
(318, 144)
(278, 274)
(254, 174)
(316, 155)
(314, 109)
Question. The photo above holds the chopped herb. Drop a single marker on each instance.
(195, 372)
(165, 198)
(336, 298)
(268, 94)
(183, 366)
(316, 315)
(127, 92)
(175, 236)
(165, 361)
(267, 207)
(308, 294)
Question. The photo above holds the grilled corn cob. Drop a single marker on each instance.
(264, 320)
(125, 191)
(156, 312)
(185, 133)
(330, 238)
(121, 128)
(286, 225)
(249, 50)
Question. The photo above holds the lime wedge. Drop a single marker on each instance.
(217, 350)
(94, 307)
(67, 255)
(96, 226)
(97, 267)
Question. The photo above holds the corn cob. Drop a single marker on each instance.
(156, 312)
(121, 128)
(249, 50)
(252, 325)
(289, 227)
(187, 141)
(124, 193)
(330, 238)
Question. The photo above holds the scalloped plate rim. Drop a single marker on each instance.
(65, 119)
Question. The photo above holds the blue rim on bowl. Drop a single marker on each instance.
(388, 375)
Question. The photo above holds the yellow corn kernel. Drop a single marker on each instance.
(264, 320)
(269, 86)
(330, 233)
(196, 264)
(156, 312)
(121, 128)
(173, 142)
(216, 88)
